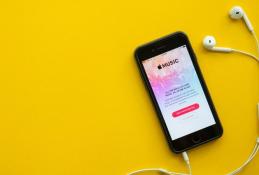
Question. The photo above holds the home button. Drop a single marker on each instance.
(196, 139)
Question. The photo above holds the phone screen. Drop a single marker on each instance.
(178, 92)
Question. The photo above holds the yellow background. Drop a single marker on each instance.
(72, 101)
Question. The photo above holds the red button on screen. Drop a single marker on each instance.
(185, 110)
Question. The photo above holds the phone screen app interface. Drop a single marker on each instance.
(178, 92)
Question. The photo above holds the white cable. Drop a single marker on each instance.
(256, 148)
(150, 169)
(158, 170)
(245, 163)
(245, 53)
(256, 41)
(252, 155)
(190, 168)
(186, 159)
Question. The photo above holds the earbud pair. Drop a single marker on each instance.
(236, 12)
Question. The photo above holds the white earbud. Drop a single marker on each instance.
(209, 43)
(237, 13)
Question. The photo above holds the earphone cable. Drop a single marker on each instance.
(256, 42)
(161, 170)
(190, 168)
(256, 148)
(245, 53)
(186, 159)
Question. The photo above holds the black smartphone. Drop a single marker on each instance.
(174, 81)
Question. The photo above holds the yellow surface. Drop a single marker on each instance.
(72, 100)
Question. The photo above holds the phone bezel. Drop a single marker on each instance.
(158, 47)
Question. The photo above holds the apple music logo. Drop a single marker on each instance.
(169, 63)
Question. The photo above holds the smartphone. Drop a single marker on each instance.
(174, 81)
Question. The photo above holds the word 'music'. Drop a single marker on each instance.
(169, 63)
